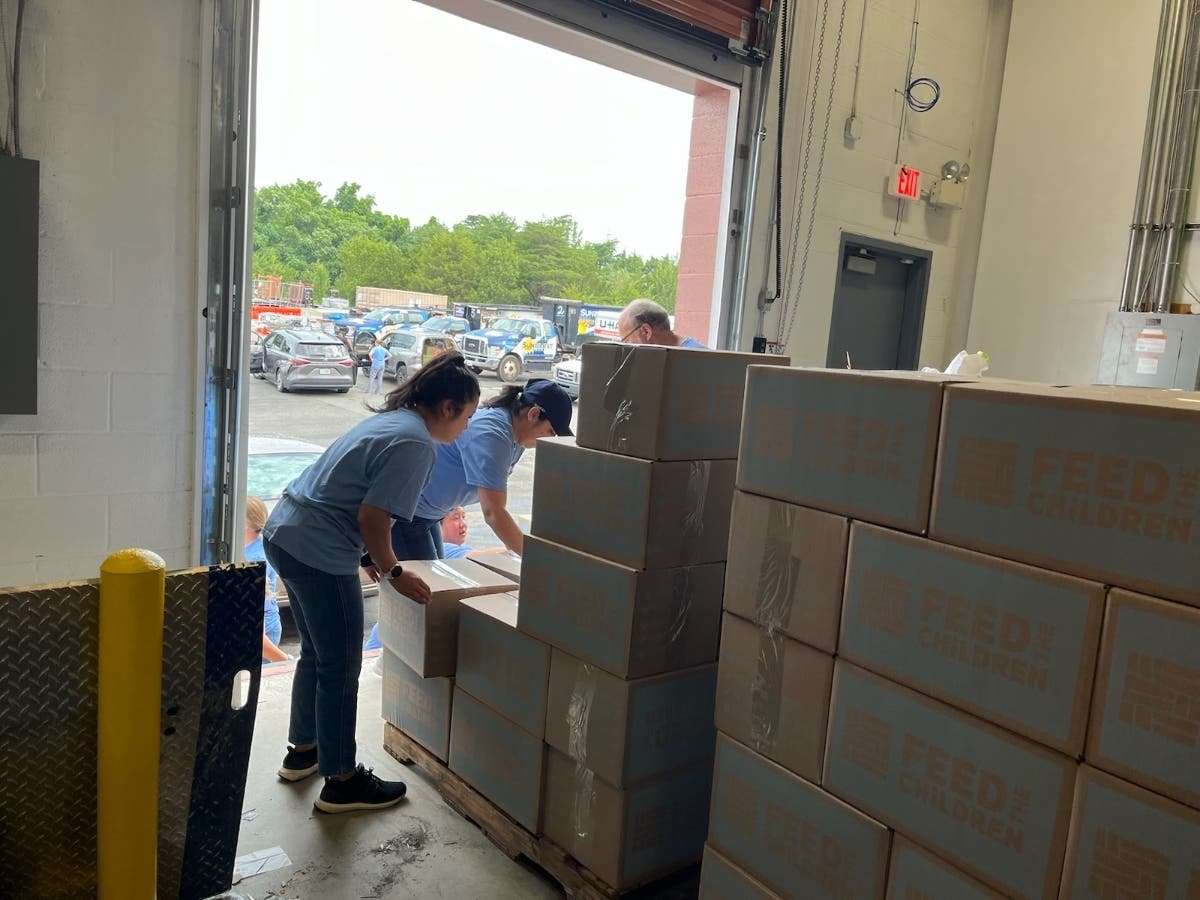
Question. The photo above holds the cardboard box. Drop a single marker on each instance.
(503, 562)
(797, 839)
(916, 874)
(663, 402)
(1129, 842)
(642, 514)
(1007, 642)
(420, 707)
(1146, 713)
(722, 880)
(1100, 483)
(773, 695)
(501, 761)
(627, 837)
(628, 731)
(994, 804)
(786, 568)
(507, 670)
(629, 623)
(425, 637)
(861, 444)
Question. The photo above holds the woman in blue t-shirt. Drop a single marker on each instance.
(340, 505)
(475, 468)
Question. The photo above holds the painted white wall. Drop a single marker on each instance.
(109, 106)
(1067, 150)
(960, 44)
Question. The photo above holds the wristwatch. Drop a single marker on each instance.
(396, 571)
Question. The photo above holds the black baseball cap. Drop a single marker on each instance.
(553, 401)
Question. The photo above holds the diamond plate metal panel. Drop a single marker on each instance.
(48, 644)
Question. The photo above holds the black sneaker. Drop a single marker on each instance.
(298, 764)
(362, 790)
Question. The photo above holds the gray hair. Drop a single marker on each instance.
(647, 312)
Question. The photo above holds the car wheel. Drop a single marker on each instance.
(400, 374)
(279, 385)
(510, 369)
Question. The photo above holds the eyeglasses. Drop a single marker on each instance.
(636, 328)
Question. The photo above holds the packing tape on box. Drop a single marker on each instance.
(777, 580)
(681, 603)
(452, 574)
(579, 713)
(699, 473)
(617, 402)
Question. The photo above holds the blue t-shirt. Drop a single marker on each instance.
(457, 551)
(691, 343)
(254, 553)
(382, 461)
(482, 457)
(378, 357)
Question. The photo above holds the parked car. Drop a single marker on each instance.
(408, 351)
(451, 326)
(256, 353)
(306, 359)
(271, 465)
(566, 375)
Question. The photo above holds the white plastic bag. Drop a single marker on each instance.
(968, 364)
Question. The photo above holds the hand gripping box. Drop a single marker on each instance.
(916, 874)
(1146, 714)
(642, 514)
(507, 670)
(860, 444)
(420, 707)
(798, 840)
(1130, 842)
(995, 805)
(663, 402)
(627, 837)
(773, 695)
(722, 880)
(503, 762)
(628, 731)
(1103, 483)
(1007, 642)
(630, 623)
(425, 636)
(786, 568)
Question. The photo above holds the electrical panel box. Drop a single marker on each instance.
(1151, 350)
(19, 284)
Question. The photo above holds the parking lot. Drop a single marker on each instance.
(321, 417)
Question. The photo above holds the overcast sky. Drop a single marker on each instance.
(438, 116)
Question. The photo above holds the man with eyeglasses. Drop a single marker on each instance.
(645, 322)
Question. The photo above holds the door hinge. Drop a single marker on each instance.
(235, 197)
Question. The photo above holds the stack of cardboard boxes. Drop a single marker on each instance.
(622, 576)
(936, 679)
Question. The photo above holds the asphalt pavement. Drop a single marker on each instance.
(320, 417)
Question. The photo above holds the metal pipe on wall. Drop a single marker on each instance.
(1142, 234)
(1182, 164)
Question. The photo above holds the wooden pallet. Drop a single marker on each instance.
(515, 842)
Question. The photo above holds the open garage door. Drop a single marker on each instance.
(714, 49)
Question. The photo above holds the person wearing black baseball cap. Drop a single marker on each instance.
(475, 468)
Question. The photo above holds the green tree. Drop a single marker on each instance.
(318, 276)
(500, 275)
(447, 263)
(370, 261)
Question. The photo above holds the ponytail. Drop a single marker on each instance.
(445, 378)
(511, 398)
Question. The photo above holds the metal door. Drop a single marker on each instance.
(878, 307)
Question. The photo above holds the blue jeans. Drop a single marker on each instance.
(418, 539)
(375, 380)
(328, 610)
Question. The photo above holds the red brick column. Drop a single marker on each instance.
(702, 212)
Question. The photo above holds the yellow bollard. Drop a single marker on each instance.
(132, 584)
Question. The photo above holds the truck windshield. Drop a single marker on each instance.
(510, 326)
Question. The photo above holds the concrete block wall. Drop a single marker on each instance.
(1068, 146)
(109, 105)
(961, 45)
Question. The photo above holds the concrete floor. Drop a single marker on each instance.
(419, 849)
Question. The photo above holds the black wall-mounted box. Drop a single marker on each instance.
(19, 284)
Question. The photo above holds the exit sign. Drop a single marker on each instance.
(905, 183)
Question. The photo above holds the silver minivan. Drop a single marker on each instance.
(409, 350)
(296, 360)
